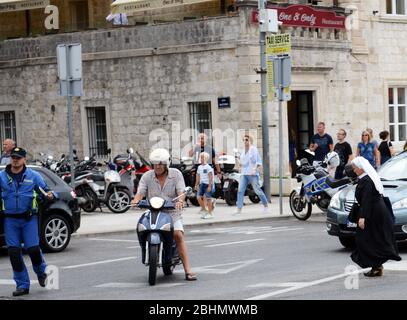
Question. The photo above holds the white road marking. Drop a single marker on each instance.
(299, 285)
(246, 230)
(217, 268)
(98, 262)
(231, 243)
(112, 240)
(9, 282)
(137, 285)
(188, 242)
(273, 285)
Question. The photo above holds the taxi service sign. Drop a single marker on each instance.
(279, 44)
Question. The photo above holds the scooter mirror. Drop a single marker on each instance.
(310, 152)
(41, 154)
(298, 162)
(50, 157)
(63, 156)
(130, 150)
(109, 151)
(74, 151)
(86, 158)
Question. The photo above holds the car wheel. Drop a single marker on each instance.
(55, 233)
(347, 242)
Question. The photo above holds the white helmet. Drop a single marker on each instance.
(332, 159)
(160, 156)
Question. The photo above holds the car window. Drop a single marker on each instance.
(394, 169)
(48, 180)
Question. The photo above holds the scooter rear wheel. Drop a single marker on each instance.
(299, 207)
(153, 263)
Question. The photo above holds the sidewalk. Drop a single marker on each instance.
(107, 222)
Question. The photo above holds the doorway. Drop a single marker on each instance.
(300, 125)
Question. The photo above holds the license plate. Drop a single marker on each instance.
(226, 184)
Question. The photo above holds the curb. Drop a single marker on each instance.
(203, 224)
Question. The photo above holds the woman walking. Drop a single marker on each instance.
(375, 240)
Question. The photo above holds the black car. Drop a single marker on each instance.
(59, 218)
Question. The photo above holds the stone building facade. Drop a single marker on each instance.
(153, 78)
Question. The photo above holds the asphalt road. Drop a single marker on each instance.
(268, 259)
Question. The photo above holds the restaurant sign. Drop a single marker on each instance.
(305, 16)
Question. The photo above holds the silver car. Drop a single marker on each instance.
(394, 177)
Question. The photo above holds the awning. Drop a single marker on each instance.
(21, 5)
(131, 6)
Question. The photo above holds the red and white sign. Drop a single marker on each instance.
(305, 16)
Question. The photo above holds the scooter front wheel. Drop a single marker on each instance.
(152, 263)
(300, 208)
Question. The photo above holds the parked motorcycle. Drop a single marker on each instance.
(317, 186)
(188, 170)
(155, 231)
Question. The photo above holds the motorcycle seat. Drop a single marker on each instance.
(332, 183)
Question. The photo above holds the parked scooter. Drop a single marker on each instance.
(317, 186)
(155, 231)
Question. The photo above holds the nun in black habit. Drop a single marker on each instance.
(375, 241)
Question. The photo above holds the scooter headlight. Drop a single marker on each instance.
(335, 202)
(157, 202)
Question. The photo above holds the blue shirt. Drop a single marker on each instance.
(323, 143)
(367, 151)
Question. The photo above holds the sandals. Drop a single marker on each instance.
(190, 277)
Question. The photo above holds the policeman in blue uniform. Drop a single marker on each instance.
(20, 186)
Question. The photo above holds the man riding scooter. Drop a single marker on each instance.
(167, 183)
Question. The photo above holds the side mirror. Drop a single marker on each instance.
(109, 151)
(74, 151)
(41, 154)
(86, 158)
(130, 150)
(50, 157)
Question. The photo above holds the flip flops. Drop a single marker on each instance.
(190, 277)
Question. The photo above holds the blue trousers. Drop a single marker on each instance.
(18, 231)
(254, 181)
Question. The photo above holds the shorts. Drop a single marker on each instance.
(202, 190)
(178, 225)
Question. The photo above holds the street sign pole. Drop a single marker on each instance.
(280, 145)
(69, 60)
(69, 106)
(264, 110)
